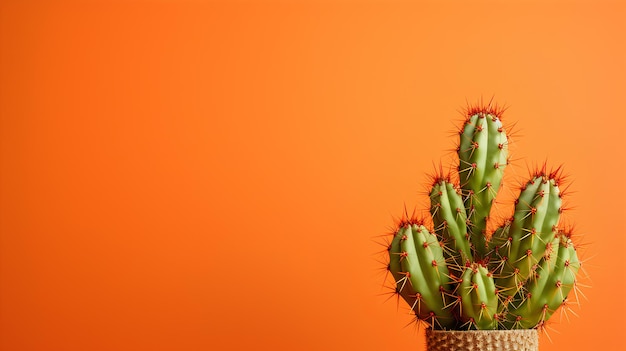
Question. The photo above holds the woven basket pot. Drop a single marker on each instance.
(482, 340)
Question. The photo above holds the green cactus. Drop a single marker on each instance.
(451, 276)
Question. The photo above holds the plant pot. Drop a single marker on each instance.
(482, 340)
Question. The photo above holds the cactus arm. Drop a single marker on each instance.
(402, 286)
(428, 274)
(482, 159)
(534, 223)
(555, 278)
(478, 297)
(449, 217)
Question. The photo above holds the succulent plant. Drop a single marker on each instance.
(454, 272)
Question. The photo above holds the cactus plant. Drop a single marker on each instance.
(453, 274)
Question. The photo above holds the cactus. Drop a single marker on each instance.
(453, 275)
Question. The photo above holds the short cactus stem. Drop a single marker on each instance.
(479, 298)
(482, 340)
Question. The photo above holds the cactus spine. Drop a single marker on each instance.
(451, 276)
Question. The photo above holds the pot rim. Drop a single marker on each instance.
(430, 330)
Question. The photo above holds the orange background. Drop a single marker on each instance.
(187, 175)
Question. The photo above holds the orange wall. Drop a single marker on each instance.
(188, 175)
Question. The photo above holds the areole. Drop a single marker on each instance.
(482, 340)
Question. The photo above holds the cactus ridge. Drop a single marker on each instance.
(453, 275)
